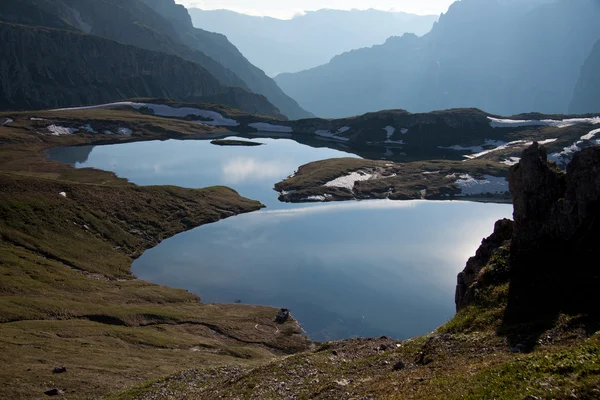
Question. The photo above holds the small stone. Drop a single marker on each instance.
(343, 382)
(518, 348)
(63, 194)
(399, 366)
(282, 316)
(54, 392)
(59, 370)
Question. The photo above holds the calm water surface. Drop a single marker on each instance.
(367, 268)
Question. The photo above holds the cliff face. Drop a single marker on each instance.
(220, 49)
(155, 25)
(587, 92)
(553, 264)
(554, 248)
(44, 68)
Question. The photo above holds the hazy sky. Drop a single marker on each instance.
(288, 8)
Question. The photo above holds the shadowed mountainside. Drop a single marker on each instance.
(40, 71)
(503, 57)
(150, 25)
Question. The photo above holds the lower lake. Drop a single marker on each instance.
(368, 268)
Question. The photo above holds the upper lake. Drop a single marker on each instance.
(367, 268)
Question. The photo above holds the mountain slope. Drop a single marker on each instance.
(38, 70)
(308, 40)
(503, 57)
(136, 23)
(587, 91)
(218, 48)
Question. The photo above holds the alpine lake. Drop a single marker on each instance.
(348, 269)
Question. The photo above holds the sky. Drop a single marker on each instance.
(289, 8)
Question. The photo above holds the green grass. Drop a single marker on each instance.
(67, 296)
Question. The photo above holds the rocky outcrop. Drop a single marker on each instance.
(466, 282)
(46, 68)
(557, 228)
(553, 264)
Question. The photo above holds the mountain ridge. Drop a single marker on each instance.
(297, 44)
(137, 23)
(495, 56)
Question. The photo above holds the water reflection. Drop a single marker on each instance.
(350, 269)
(252, 171)
(345, 269)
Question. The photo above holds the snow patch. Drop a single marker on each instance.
(389, 130)
(404, 131)
(470, 186)
(37, 119)
(516, 143)
(319, 198)
(213, 118)
(5, 121)
(474, 149)
(348, 181)
(124, 131)
(107, 132)
(590, 135)
(564, 157)
(510, 161)
(265, 127)
(511, 123)
(56, 130)
(330, 135)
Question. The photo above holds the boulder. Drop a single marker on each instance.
(282, 316)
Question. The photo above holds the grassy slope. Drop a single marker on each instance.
(66, 293)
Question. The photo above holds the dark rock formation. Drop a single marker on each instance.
(554, 249)
(282, 316)
(465, 288)
(45, 68)
(553, 263)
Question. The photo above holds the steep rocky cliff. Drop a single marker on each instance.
(587, 91)
(553, 266)
(554, 249)
(159, 25)
(44, 68)
(220, 49)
